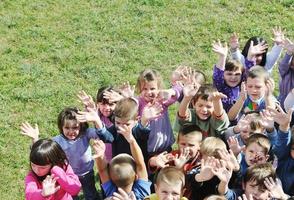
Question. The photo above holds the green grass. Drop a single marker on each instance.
(52, 49)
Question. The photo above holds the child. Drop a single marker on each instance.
(170, 184)
(255, 50)
(286, 69)
(51, 176)
(207, 113)
(253, 183)
(74, 139)
(284, 149)
(227, 76)
(257, 95)
(125, 172)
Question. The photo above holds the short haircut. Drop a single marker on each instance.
(69, 113)
(122, 170)
(170, 175)
(190, 129)
(260, 139)
(258, 72)
(100, 94)
(258, 173)
(215, 197)
(203, 93)
(256, 40)
(148, 75)
(233, 65)
(211, 145)
(126, 108)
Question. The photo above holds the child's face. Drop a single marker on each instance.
(190, 141)
(149, 91)
(232, 78)
(203, 108)
(106, 109)
(258, 59)
(257, 193)
(119, 122)
(41, 170)
(255, 88)
(246, 133)
(165, 191)
(71, 129)
(254, 154)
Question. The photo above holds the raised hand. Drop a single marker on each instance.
(234, 145)
(150, 112)
(215, 96)
(243, 91)
(163, 96)
(243, 197)
(206, 172)
(182, 159)
(255, 50)
(222, 172)
(279, 35)
(270, 86)
(127, 90)
(99, 149)
(191, 89)
(220, 49)
(289, 46)
(178, 74)
(229, 158)
(112, 96)
(161, 160)
(86, 99)
(49, 187)
(243, 124)
(28, 130)
(275, 188)
(267, 120)
(126, 131)
(88, 116)
(282, 118)
(234, 42)
(122, 195)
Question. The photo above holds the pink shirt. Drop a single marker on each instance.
(68, 181)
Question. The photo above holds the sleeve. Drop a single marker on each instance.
(248, 65)
(109, 188)
(139, 131)
(272, 136)
(67, 180)
(282, 147)
(229, 132)
(101, 133)
(218, 78)
(231, 195)
(220, 124)
(272, 57)
(178, 91)
(186, 119)
(32, 191)
(289, 101)
(284, 65)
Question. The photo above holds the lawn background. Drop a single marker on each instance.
(52, 49)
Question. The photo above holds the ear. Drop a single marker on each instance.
(267, 157)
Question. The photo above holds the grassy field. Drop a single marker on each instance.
(52, 49)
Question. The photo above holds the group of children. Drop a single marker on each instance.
(234, 137)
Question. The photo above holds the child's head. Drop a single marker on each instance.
(190, 136)
(257, 149)
(68, 124)
(257, 78)
(148, 84)
(255, 126)
(253, 182)
(170, 183)
(259, 59)
(203, 107)
(233, 73)
(104, 106)
(122, 170)
(45, 154)
(210, 147)
(126, 112)
(215, 197)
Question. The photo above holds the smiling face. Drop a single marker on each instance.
(165, 191)
(106, 109)
(258, 193)
(254, 154)
(149, 90)
(255, 88)
(41, 170)
(232, 78)
(203, 108)
(71, 129)
(191, 142)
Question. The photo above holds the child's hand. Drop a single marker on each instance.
(270, 86)
(243, 124)
(99, 148)
(90, 116)
(282, 118)
(245, 198)
(256, 50)
(122, 195)
(229, 158)
(267, 121)
(243, 91)
(289, 46)
(222, 172)
(191, 89)
(49, 186)
(150, 112)
(28, 130)
(206, 172)
(163, 96)
(279, 36)
(234, 42)
(178, 74)
(182, 159)
(275, 188)
(221, 50)
(86, 99)
(216, 96)
(126, 131)
(162, 159)
(112, 96)
(234, 145)
(127, 90)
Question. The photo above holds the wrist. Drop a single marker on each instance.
(284, 128)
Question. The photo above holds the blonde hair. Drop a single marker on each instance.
(211, 145)
(126, 108)
(148, 75)
(260, 139)
(171, 176)
(122, 170)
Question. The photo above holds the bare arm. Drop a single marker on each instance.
(101, 163)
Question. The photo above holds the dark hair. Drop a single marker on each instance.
(188, 128)
(100, 98)
(69, 113)
(233, 65)
(47, 151)
(203, 93)
(256, 40)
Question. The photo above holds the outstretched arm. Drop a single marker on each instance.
(222, 51)
(101, 163)
(237, 107)
(27, 129)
